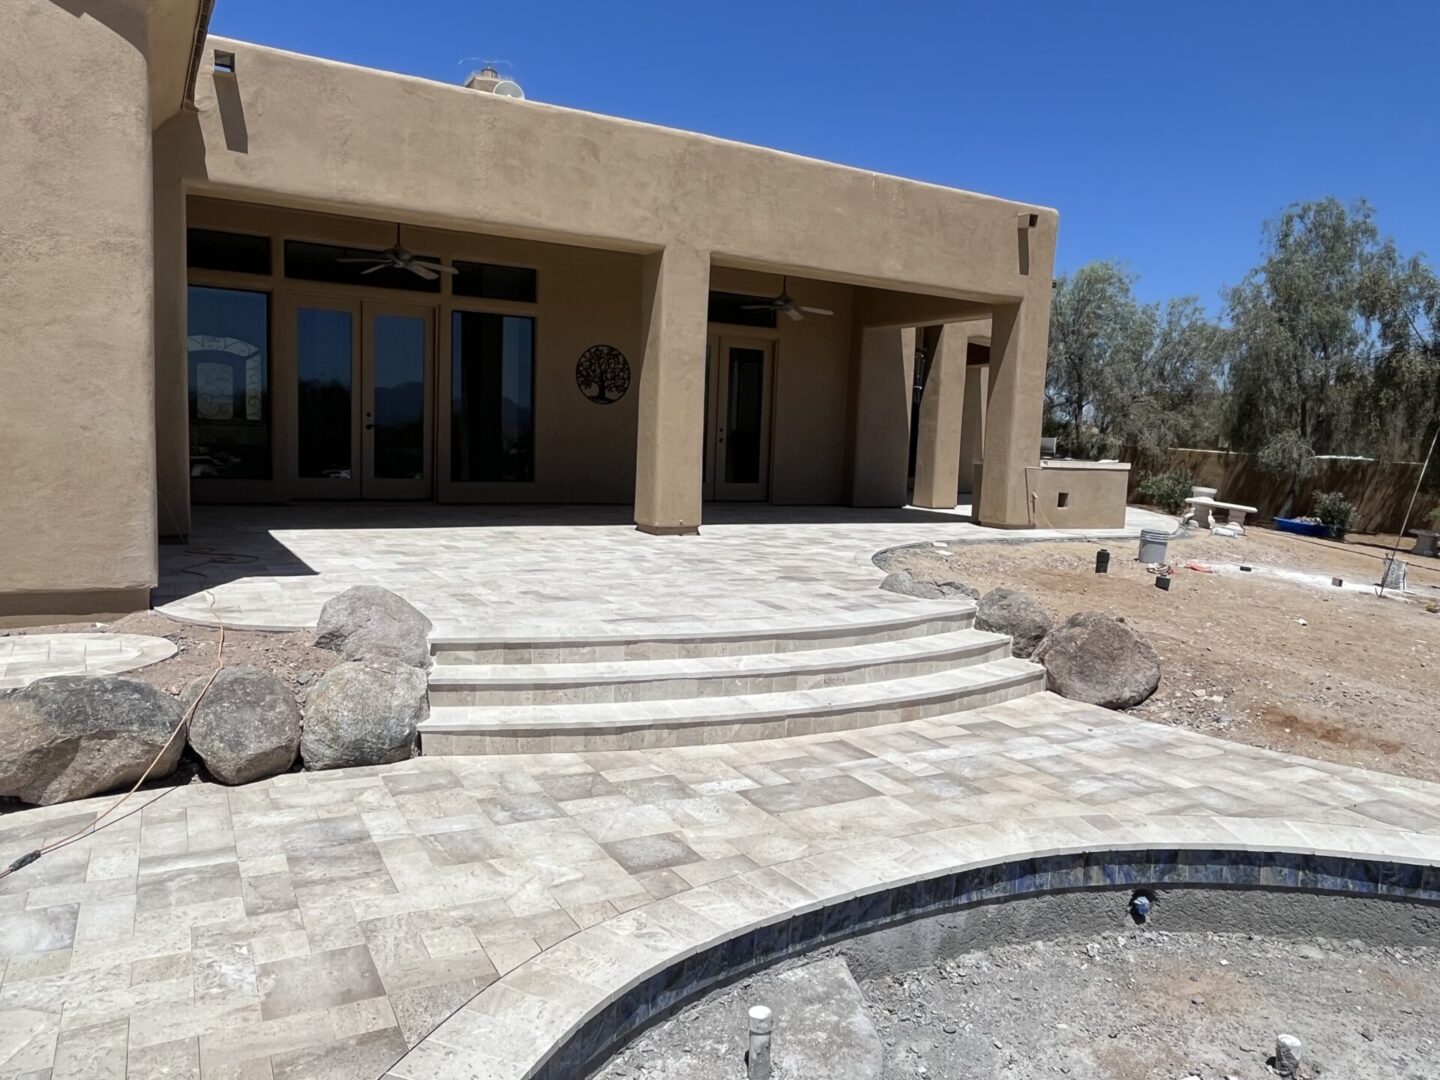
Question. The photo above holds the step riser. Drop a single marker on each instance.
(459, 652)
(719, 685)
(518, 741)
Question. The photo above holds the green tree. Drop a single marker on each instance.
(1122, 373)
(1302, 339)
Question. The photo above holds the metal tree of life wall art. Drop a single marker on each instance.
(603, 374)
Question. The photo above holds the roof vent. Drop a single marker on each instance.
(489, 81)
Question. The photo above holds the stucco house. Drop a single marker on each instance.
(234, 273)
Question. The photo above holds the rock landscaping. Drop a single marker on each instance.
(246, 727)
(364, 713)
(366, 622)
(903, 582)
(1099, 659)
(73, 736)
(1009, 611)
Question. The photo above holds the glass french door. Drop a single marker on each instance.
(737, 443)
(363, 399)
(396, 401)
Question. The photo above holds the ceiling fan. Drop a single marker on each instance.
(398, 258)
(786, 305)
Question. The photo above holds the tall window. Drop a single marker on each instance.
(492, 397)
(229, 346)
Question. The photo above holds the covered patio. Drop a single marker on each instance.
(558, 570)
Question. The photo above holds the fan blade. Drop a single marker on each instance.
(817, 311)
(365, 259)
(757, 307)
(794, 313)
(377, 266)
(439, 268)
(420, 271)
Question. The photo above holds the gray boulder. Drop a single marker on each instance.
(366, 622)
(72, 736)
(363, 713)
(1096, 658)
(905, 583)
(1008, 611)
(246, 727)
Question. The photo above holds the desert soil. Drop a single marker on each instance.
(1141, 1005)
(1295, 665)
(198, 651)
(1156, 1006)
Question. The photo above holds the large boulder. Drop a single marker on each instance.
(1099, 659)
(1009, 611)
(366, 622)
(246, 727)
(72, 736)
(364, 713)
(906, 584)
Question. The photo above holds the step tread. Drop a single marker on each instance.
(800, 661)
(909, 612)
(889, 693)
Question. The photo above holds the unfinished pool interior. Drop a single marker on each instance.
(1279, 893)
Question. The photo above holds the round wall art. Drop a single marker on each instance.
(603, 374)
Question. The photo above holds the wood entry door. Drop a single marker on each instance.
(739, 376)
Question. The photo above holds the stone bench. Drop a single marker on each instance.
(1425, 542)
(1234, 512)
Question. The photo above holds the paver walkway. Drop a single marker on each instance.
(543, 571)
(316, 925)
(27, 657)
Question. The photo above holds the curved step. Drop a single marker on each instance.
(912, 618)
(711, 676)
(469, 729)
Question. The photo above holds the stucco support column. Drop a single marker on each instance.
(880, 439)
(972, 425)
(77, 336)
(937, 452)
(1014, 411)
(669, 460)
(172, 361)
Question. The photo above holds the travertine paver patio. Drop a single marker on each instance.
(571, 570)
(316, 925)
(27, 657)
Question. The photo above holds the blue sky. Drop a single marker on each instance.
(1165, 133)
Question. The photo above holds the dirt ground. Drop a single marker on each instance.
(1287, 662)
(1156, 1006)
(287, 655)
(1139, 1005)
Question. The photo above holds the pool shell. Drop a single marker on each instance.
(1409, 889)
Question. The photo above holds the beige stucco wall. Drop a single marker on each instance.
(77, 492)
(1096, 495)
(334, 136)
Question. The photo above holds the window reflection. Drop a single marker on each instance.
(324, 348)
(228, 345)
(492, 430)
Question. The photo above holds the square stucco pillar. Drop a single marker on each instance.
(942, 406)
(972, 426)
(172, 361)
(880, 438)
(77, 421)
(669, 459)
(1014, 410)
